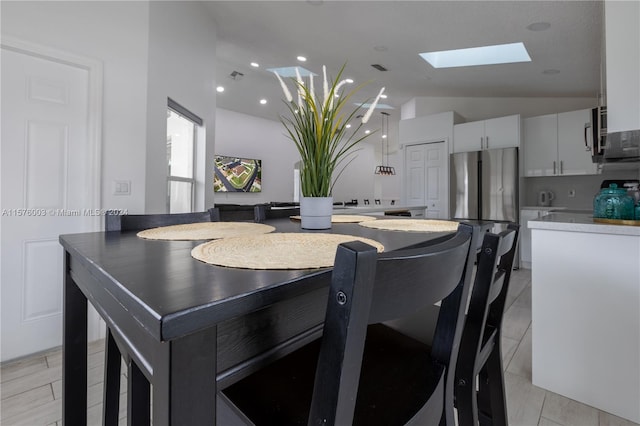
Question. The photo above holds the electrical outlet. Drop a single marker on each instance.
(572, 193)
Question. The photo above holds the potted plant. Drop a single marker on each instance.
(318, 127)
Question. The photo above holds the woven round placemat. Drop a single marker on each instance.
(276, 251)
(344, 218)
(205, 231)
(412, 225)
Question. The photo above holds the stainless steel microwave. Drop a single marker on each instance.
(617, 147)
(622, 147)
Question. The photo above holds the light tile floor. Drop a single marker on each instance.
(30, 388)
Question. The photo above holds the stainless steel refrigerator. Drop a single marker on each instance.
(484, 185)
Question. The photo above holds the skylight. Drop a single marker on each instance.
(291, 71)
(485, 55)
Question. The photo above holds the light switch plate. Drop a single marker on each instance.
(121, 187)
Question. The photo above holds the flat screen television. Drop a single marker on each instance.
(234, 174)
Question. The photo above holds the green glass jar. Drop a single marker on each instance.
(613, 203)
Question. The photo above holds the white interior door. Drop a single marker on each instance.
(415, 175)
(46, 191)
(436, 186)
(426, 178)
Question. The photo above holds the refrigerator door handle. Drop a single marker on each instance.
(481, 143)
(486, 142)
(554, 167)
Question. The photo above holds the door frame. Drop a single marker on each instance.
(447, 149)
(94, 70)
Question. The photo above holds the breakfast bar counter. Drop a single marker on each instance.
(586, 311)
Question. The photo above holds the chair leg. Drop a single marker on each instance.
(466, 402)
(111, 396)
(138, 397)
(491, 395)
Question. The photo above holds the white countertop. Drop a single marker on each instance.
(581, 222)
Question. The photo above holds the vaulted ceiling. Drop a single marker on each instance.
(566, 57)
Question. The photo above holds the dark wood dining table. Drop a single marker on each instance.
(191, 328)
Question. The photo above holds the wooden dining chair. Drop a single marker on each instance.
(138, 389)
(238, 212)
(137, 222)
(480, 355)
(361, 371)
(263, 212)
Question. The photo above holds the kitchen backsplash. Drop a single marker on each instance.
(584, 188)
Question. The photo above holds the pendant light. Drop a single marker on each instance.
(385, 170)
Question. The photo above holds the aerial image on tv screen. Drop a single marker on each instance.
(233, 174)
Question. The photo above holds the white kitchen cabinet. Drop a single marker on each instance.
(554, 145)
(574, 156)
(540, 145)
(501, 132)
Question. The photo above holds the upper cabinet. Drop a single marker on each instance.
(502, 132)
(622, 32)
(554, 145)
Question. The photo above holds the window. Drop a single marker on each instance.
(181, 143)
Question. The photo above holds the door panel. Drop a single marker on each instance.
(416, 175)
(436, 176)
(45, 189)
(426, 178)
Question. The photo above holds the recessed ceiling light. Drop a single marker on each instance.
(484, 55)
(551, 72)
(384, 136)
(263, 101)
(383, 96)
(301, 58)
(255, 64)
(348, 126)
(367, 131)
(539, 26)
(349, 80)
(219, 89)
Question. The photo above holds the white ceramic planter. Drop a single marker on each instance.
(315, 212)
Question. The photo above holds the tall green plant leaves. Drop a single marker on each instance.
(319, 132)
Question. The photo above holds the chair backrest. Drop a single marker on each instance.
(136, 222)
(487, 302)
(263, 212)
(238, 212)
(367, 288)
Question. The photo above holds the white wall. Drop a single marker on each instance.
(358, 179)
(115, 33)
(248, 136)
(473, 109)
(182, 57)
